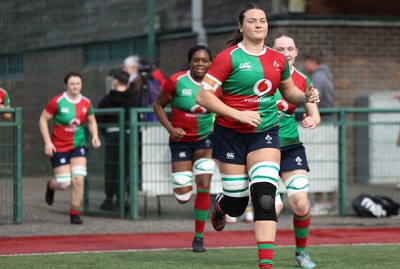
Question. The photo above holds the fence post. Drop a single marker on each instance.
(18, 166)
(342, 162)
(120, 113)
(133, 164)
(121, 167)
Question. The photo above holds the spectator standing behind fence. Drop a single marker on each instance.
(66, 147)
(154, 70)
(294, 167)
(145, 89)
(190, 138)
(246, 141)
(119, 97)
(5, 103)
(322, 79)
(144, 86)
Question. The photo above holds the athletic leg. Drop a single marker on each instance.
(263, 165)
(203, 168)
(182, 180)
(278, 202)
(182, 155)
(78, 172)
(297, 185)
(235, 196)
(61, 181)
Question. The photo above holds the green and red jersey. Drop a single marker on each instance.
(194, 119)
(249, 82)
(69, 118)
(4, 97)
(288, 133)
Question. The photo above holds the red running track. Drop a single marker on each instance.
(110, 242)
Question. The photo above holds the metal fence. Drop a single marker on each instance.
(98, 180)
(11, 167)
(358, 149)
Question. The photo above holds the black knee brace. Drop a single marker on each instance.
(263, 195)
(233, 206)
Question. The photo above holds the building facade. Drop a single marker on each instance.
(42, 40)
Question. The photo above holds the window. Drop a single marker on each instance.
(11, 64)
(114, 51)
(119, 50)
(96, 53)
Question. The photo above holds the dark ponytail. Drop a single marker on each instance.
(236, 38)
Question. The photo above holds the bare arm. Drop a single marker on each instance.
(207, 99)
(296, 96)
(49, 148)
(92, 125)
(159, 104)
(311, 119)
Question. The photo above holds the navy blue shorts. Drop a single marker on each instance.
(233, 147)
(294, 157)
(184, 151)
(63, 158)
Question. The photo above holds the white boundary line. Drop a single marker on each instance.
(167, 249)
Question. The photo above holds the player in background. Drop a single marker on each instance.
(66, 147)
(246, 141)
(190, 138)
(294, 168)
(5, 103)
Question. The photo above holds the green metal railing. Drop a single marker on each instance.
(10, 145)
(135, 162)
(357, 129)
(343, 122)
(347, 128)
(96, 174)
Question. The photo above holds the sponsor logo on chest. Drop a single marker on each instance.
(73, 125)
(187, 92)
(245, 66)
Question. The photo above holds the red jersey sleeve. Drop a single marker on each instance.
(218, 92)
(221, 66)
(52, 106)
(170, 84)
